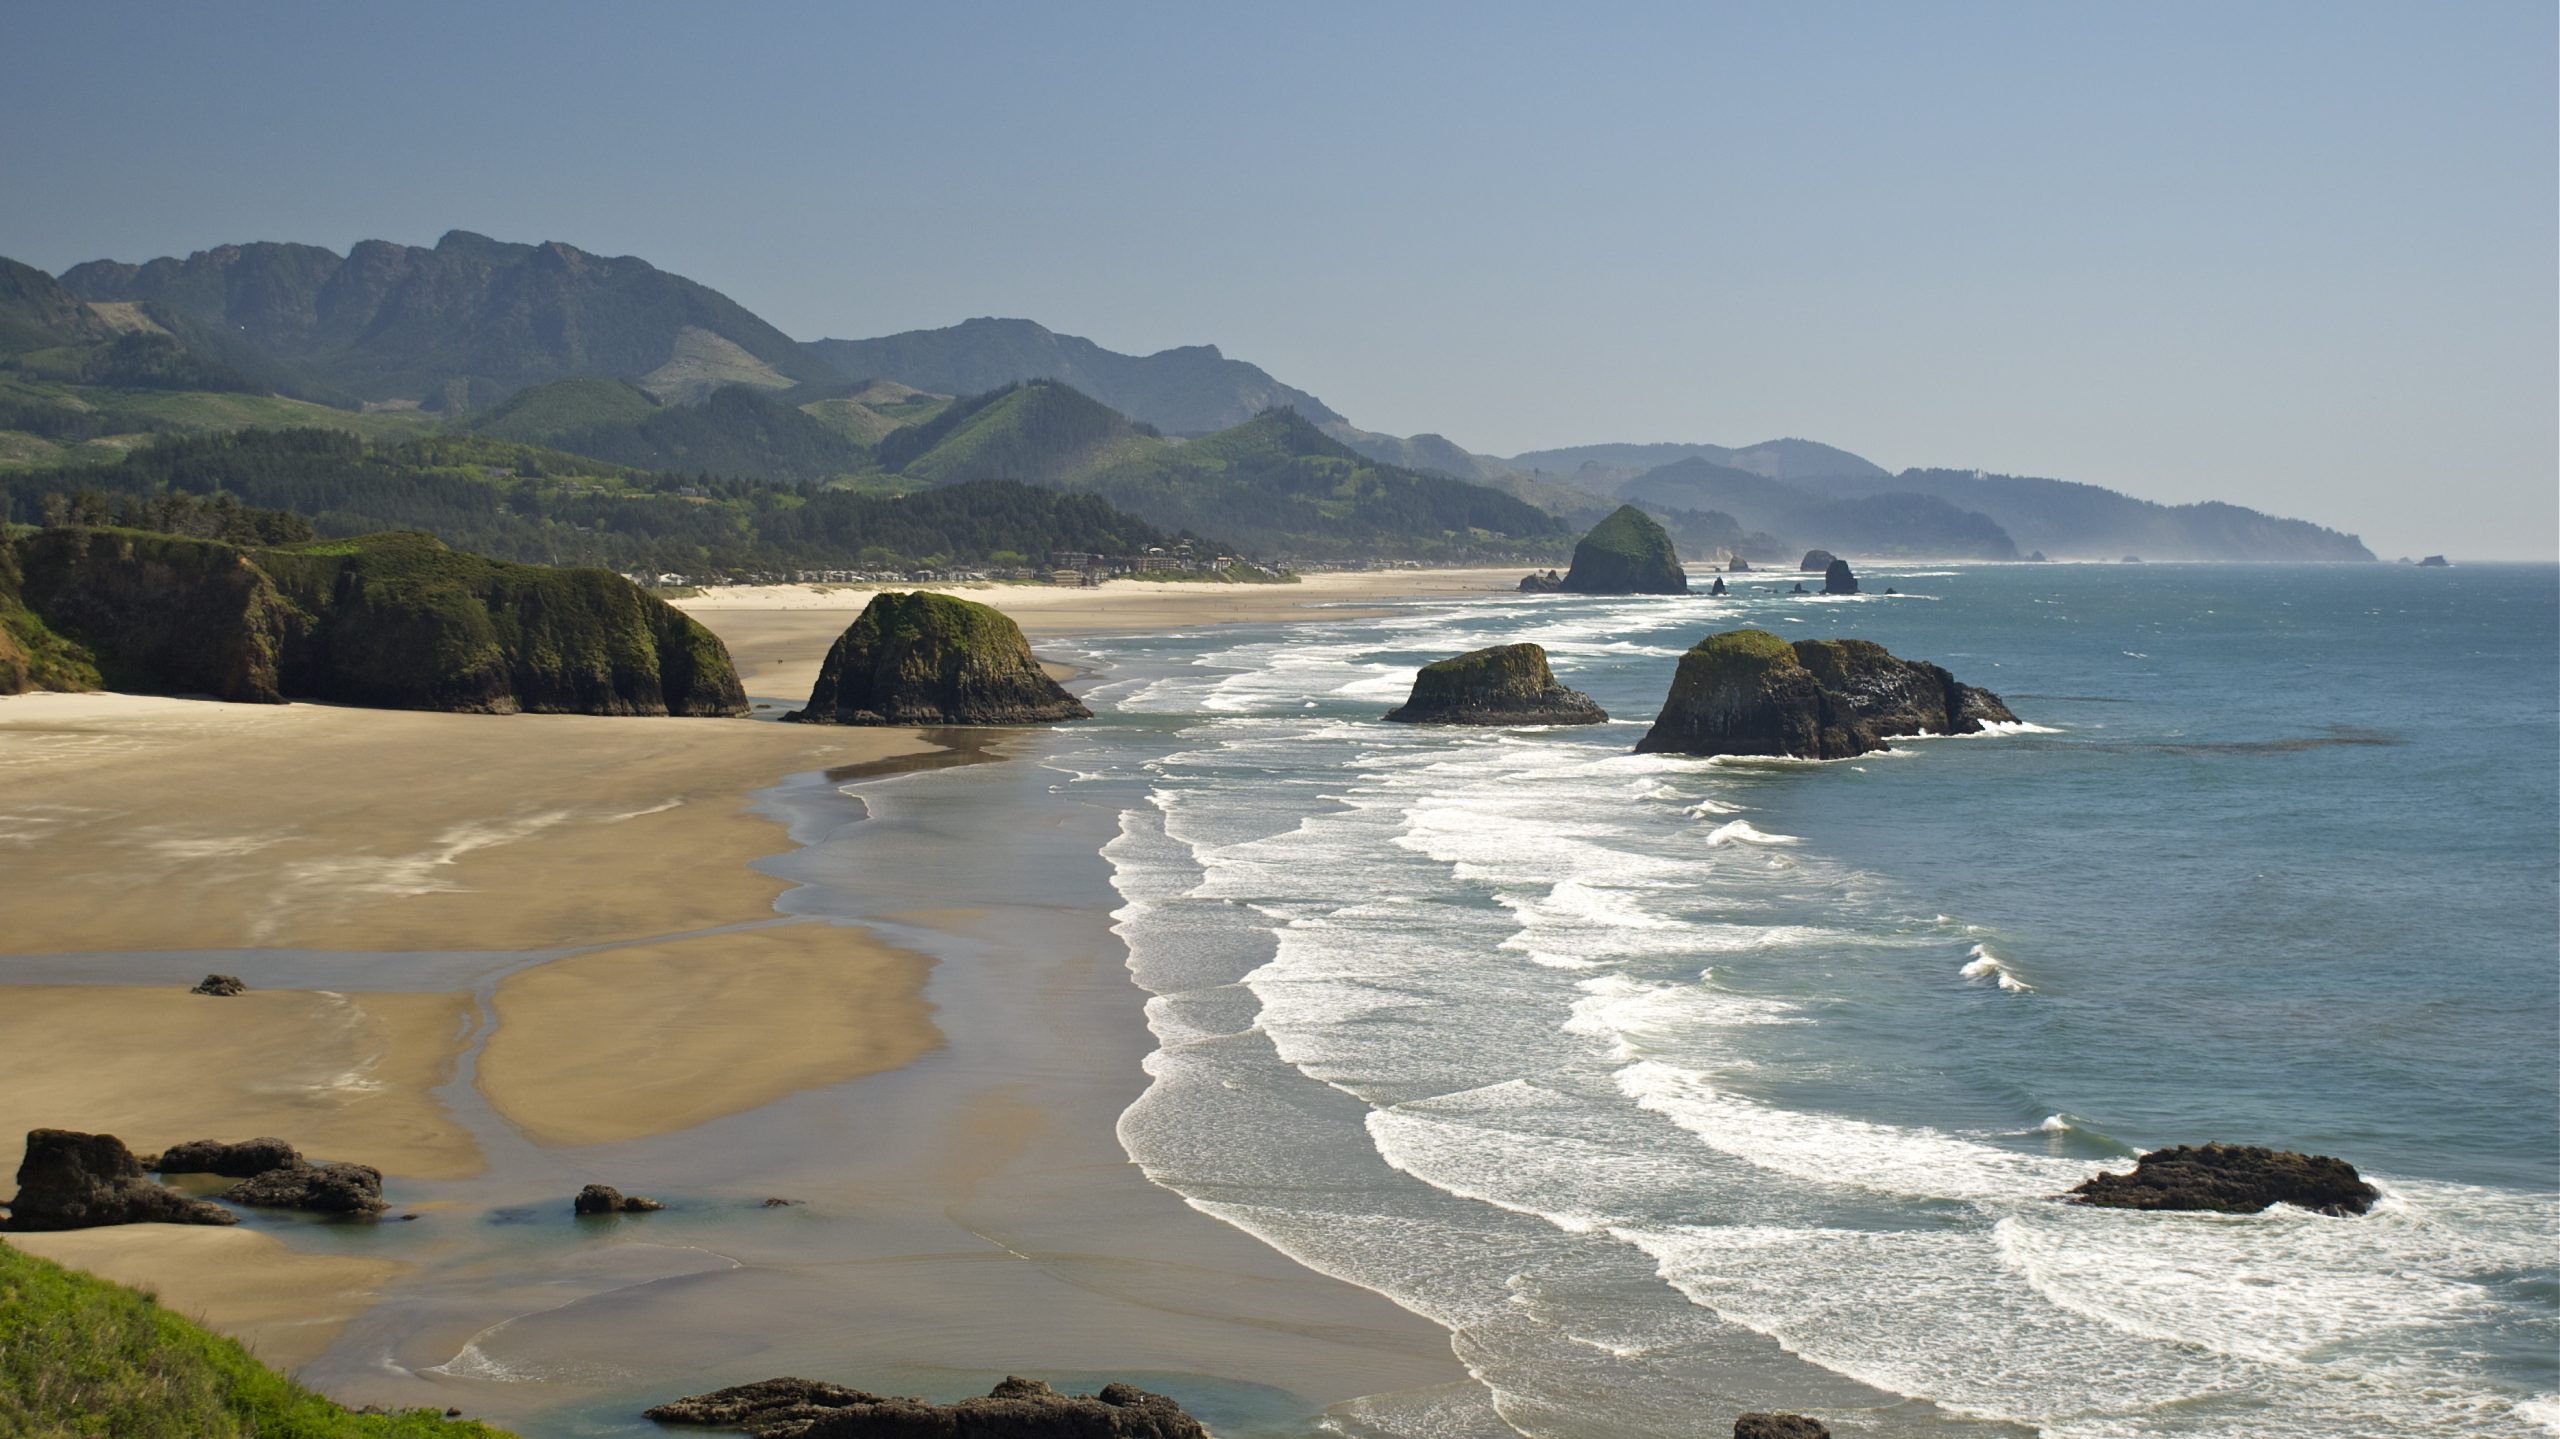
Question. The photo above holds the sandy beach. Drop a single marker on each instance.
(481, 945)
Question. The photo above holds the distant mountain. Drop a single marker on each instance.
(737, 431)
(1281, 487)
(2069, 520)
(1609, 466)
(1193, 390)
(460, 326)
(1800, 517)
(1041, 432)
(36, 312)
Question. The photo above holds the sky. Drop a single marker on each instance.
(2304, 257)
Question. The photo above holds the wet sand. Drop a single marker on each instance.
(290, 1315)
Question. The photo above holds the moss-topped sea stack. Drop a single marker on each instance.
(1504, 685)
(1748, 692)
(919, 658)
(1626, 554)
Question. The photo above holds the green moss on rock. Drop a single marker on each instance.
(395, 621)
(1626, 554)
(920, 658)
(1503, 685)
(1748, 692)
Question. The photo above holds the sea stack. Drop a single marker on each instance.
(1748, 692)
(919, 658)
(1626, 554)
(1740, 566)
(1504, 685)
(1718, 587)
(1839, 579)
(1817, 561)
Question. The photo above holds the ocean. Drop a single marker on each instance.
(1675, 1086)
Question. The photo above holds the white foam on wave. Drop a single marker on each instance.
(1740, 831)
(1986, 965)
(2054, 1124)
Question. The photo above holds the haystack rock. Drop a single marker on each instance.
(1014, 1409)
(919, 658)
(1817, 561)
(1837, 579)
(1504, 685)
(71, 1180)
(2232, 1179)
(1748, 692)
(1740, 566)
(1626, 554)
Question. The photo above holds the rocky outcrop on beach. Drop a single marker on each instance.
(1817, 561)
(1545, 582)
(322, 1188)
(1504, 685)
(1747, 692)
(1779, 1426)
(605, 1199)
(1838, 579)
(919, 658)
(70, 1180)
(244, 1160)
(392, 621)
(1014, 1409)
(2231, 1179)
(1626, 554)
(221, 986)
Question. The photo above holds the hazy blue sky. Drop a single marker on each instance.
(2299, 256)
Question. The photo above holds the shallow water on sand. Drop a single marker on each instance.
(1672, 1087)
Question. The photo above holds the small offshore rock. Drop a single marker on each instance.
(1838, 579)
(319, 1188)
(244, 1160)
(220, 985)
(2231, 1179)
(1817, 561)
(1502, 685)
(1779, 1426)
(1014, 1409)
(71, 1180)
(605, 1199)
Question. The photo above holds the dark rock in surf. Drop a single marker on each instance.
(1626, 554)
(317, 1188)
(1014, 1409)
(2037, 558)
(1747, 692)
(245, 1160)
(920, 658)
(221, 986)
(2231, 1179)
(70, 1180)
(2435, 562)
(1545, 583)
(1816, 561)
(1718, 587)
(1740, 566)
(1779, 1426)
(1799, 589)
(1838, 579)
(605, 1199)
(1504, 685)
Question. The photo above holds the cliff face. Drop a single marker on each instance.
(1626, 554)
(917, 658)
(162, 613)
(394, 621)
(1747, 692)
(32, 656)
(1504, 685)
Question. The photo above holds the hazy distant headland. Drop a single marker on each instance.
(539, 402)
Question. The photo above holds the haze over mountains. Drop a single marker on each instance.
(614, 359)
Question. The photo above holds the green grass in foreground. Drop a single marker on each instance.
(81, 1358)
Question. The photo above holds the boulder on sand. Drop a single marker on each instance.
(221, 986)
(319, 1188)
(1503, 685)
(919, 658)
(1014, 1409)
(71, 1180)
(2231, 1179)
(247, 1159)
